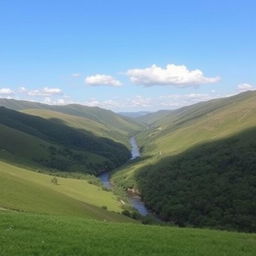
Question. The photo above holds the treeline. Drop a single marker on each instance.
(70, 146)
(211, 185)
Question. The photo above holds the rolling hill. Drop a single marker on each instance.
(197, 170)
(39, 140)
(101, 122)
(199, 141)
(202, 122)
(36, 141)
(136, 115)
(151, 118)
(27, 191)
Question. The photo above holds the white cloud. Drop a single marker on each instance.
(179, 76)
(22, 89)
(245, 87)
(43, 92)
(173, 101)
(61, 101)
(108, 104)
(139, 102)
(58, 101)
(6, 91)
(76, 75)
(100, 79)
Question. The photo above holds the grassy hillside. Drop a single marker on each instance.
(84, 124)
(175, 135)
(48, 235)
(191, 126)
(201, 122)
(134, 114)
(55, 145)
(189, 113)
(151, 118)
(99, 121)
(212, 185)
(23, 190)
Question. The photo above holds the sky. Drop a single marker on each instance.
(141, 55)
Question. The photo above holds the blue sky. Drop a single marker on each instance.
(102, 52)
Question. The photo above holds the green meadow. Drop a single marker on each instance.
(27, 191)
(30, 234)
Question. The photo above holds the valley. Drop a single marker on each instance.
(127, 128)
(192, 167)
(133, 199)
(219, 134)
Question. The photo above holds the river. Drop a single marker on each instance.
(134, 199)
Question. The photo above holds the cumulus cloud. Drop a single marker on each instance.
(245, 87)
(56, 101)
(180, 100)
(43, 92)
(6, 91)
(139, 102)
(175, 75)
(100, 79)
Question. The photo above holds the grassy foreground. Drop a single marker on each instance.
(23, 190)
(26, 234)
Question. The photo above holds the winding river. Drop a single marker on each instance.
(134, 199)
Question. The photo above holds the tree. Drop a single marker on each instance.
(54, 181)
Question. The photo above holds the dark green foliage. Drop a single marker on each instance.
(54, 181)
(126, 213)
(69, 147)
(114, 122)
(211, 185)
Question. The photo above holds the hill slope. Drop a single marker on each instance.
(212, 185)
(102, 122)
(48, 235)
(23, 190)
(169, 143)
(52, 144)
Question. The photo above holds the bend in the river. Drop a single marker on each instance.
(134, 200)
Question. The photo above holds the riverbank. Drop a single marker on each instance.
(133, 198)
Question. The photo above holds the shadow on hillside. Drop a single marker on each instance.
(210, 185)
(67, 145)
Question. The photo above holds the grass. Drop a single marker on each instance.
(82, 123)
(58, 146)
(101, 122)
(26, 150)
(29, 234)
(28, 191)
(190, 126)
(201, 123)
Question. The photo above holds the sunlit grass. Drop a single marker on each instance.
(27, 234)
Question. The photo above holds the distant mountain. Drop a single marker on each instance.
(150, 118)
(134, 114)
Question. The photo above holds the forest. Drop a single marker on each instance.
(210, 185)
